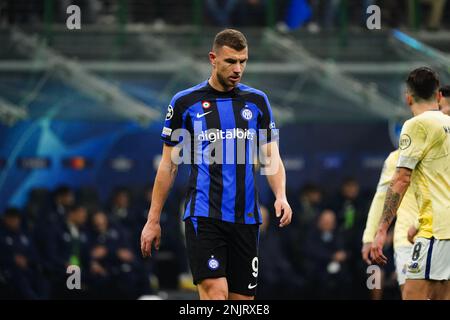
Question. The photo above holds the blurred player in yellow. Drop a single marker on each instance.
(424, 163)
(406, 217)
(407, 214)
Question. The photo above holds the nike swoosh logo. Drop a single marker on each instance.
(202, 115)
(251, 286)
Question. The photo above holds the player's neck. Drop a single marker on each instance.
(419, 108)
(216, 85)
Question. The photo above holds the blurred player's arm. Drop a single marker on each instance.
(165, 176)
(276, 176)
(394, 195)
(376, 208)
(373, 219)
(413, 144)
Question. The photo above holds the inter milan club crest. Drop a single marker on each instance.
(213, 263)
(206, 104)
(247, 114)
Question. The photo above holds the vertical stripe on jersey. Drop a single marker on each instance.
(239, 207)
(200, 199)
(192, 186)
(225, 110)
(251, 210)
(215, 169)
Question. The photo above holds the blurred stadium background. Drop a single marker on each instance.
(81, 113)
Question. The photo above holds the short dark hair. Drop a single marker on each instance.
(231, 38)
(423, 83)
(12, 212)
(445, 90)
(74, 207)
(62, 191)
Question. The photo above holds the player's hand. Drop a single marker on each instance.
(150, 236)
(376, 251)
(412, 231)
(365, 252)
(283, 210)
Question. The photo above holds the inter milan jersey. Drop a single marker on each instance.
(219, 133)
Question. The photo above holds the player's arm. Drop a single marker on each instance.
(373, 219)
(413, 145)
(394, 195)
(165, 176)
(376, 207)
(276, 176)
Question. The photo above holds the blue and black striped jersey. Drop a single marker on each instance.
(221, 132)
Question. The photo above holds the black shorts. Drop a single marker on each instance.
(222, 249)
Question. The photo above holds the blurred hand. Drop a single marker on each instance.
(150, 236)
(412, 231)
(97, 269)
(283, 210)
(365, 252)
(21, 261)
(125, 255)
(340, 256)
(99, 252)
(376, 251)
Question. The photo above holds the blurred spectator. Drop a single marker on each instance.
(19, 263)
(115, 270)
(63, 198)
(326, 259)
(351, 209)
(307, 205)
(324, 14)
(52, 216)
(393, 13)
(221, 11)
(435, 14)
(171, 265)
(22, 12)
(298, 12)
(121, 212)
(277, 278)
(66, 244)
(253, 13)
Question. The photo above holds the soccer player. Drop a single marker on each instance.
(424, 163)
(222, 214)
(407, 216)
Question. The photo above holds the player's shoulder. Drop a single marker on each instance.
(185, 95)
(247, 90)
(418, 122)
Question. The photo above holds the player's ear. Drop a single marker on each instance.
(409, 99)
(212, 58)
(439, 96)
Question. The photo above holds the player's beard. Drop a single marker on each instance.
(224, 82)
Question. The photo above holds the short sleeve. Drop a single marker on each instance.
(174, 121)
(268, 131)
(412, 144)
